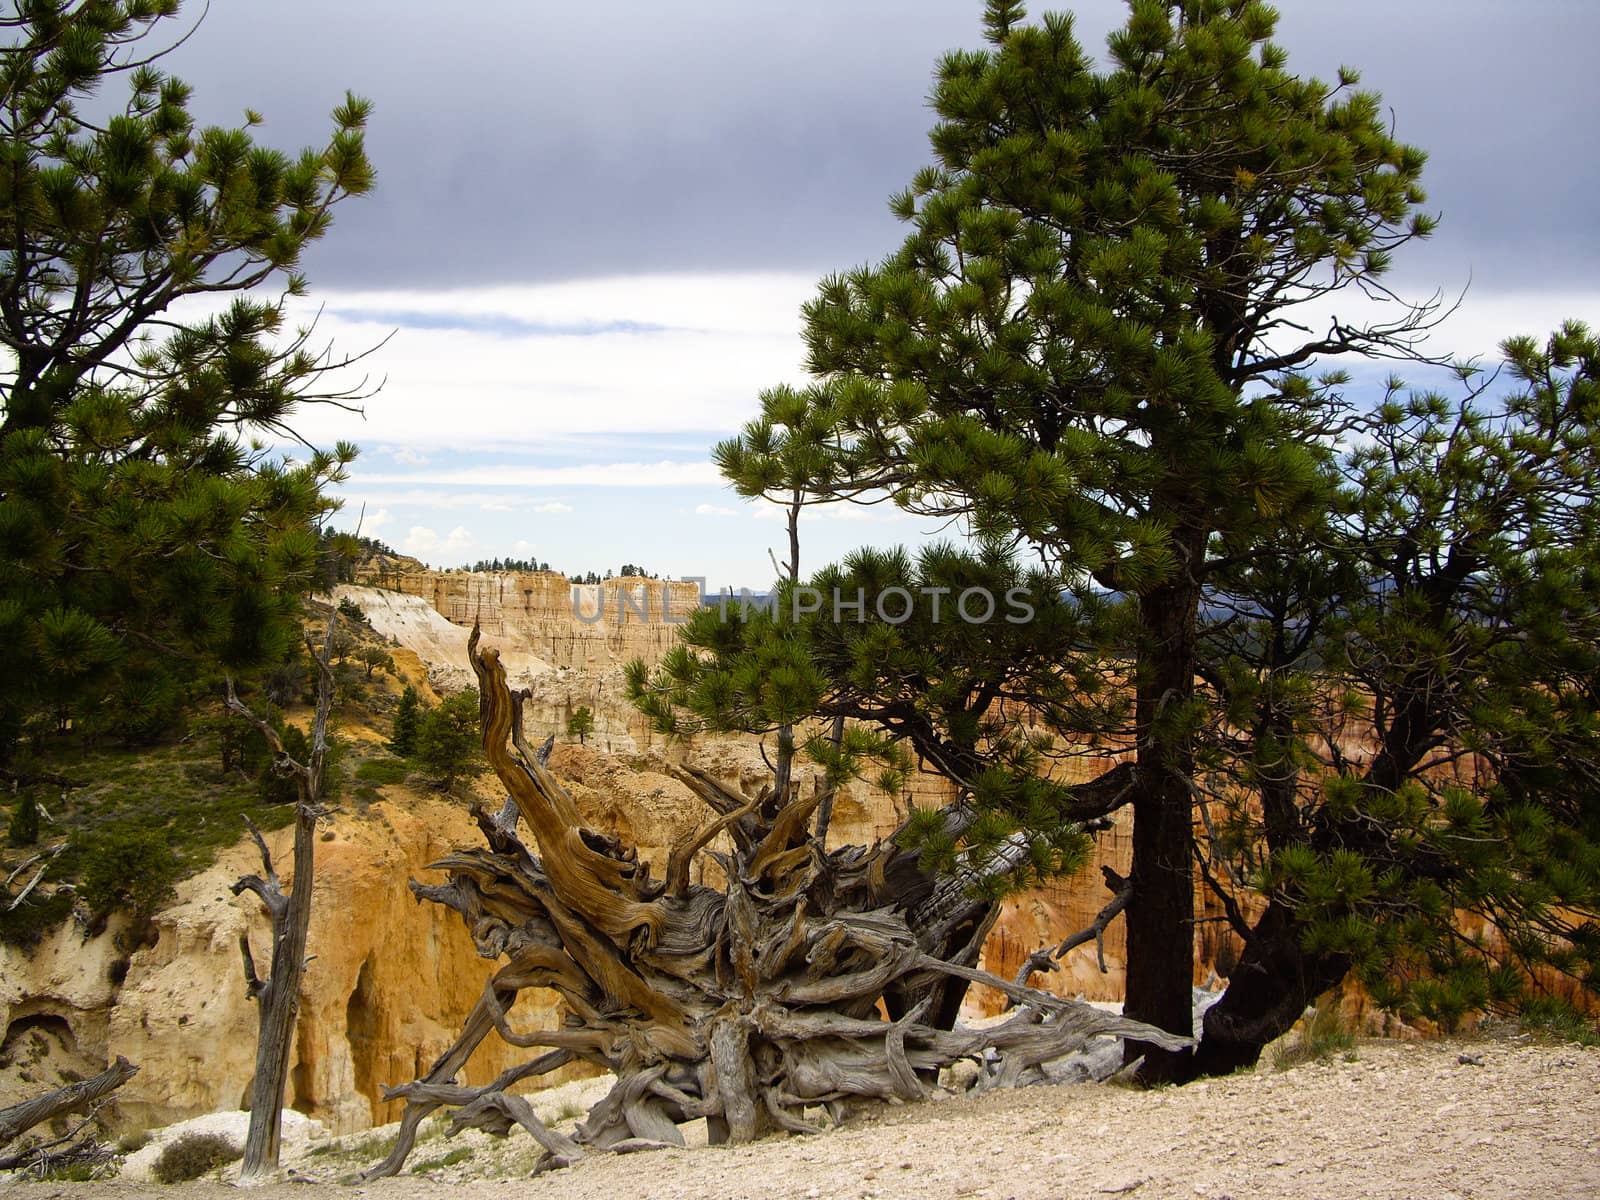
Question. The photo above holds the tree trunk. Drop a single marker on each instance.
(19, 1118)
(1276, 978)
(1160, 911)
(279, 1000)
(748, 1005)
(279, 993)
(1267, 993)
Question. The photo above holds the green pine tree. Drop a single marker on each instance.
(1451, 602)
(24, 827)
(1070, 350)
(447, 746)
(580, 724)
(145, 539)
(403, 735)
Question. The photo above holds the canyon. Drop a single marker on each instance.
(392, 978)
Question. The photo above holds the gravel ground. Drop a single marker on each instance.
(1396, 1120)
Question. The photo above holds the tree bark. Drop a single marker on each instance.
(1160, 911)
(278, 994)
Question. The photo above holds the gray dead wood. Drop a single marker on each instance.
(277, 994)
(75, 1097)
(757, 1005)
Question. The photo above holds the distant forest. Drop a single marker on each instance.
(354, 548)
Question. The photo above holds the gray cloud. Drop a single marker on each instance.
(535, 141)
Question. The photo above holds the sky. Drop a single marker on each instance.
(594, 227)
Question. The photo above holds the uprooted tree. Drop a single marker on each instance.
(746, 1004)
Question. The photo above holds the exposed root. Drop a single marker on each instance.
(756, 1007)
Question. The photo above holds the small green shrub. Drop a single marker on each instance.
(192, 1156)
(382, 771)
(1554, 1018)
(458, 1155)
(24, 827)
(352, 611)
(568, 1111)
(25, 925)
(128, 867)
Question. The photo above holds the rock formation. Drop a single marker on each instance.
(176, 1004)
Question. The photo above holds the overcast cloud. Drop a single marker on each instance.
(595, 223)
(522, 141)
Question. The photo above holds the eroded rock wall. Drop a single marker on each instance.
(393, 979)
(384, 995)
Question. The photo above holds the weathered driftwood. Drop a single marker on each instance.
(811, 979)
(75, 1097)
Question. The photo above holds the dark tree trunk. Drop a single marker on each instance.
(1267, 993)
(1276, 978)
(1160, 911)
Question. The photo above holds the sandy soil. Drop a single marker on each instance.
(1401, 1120)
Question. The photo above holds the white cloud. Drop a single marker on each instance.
(422, 540)
(715, 510)
(716, 343)
(373, 521)
(523, 547)
(408, 457)
(552, 506)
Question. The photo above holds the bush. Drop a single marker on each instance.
(128, 867)
(352, 611)
(1325, 1035)
(25, 925)
(24, 828)
(1555, 1018)
(194, 1155)
(382, 771)
(580, 724)
(282, 789)
(447, 738)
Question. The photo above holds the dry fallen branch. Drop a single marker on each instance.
(754, 1006)
(75, 1097)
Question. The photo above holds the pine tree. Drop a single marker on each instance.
(1070, 350)
(580, 724)
(447, 739)
(145, 538)
(1451, 600)
(403, 735)
(23, 829)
